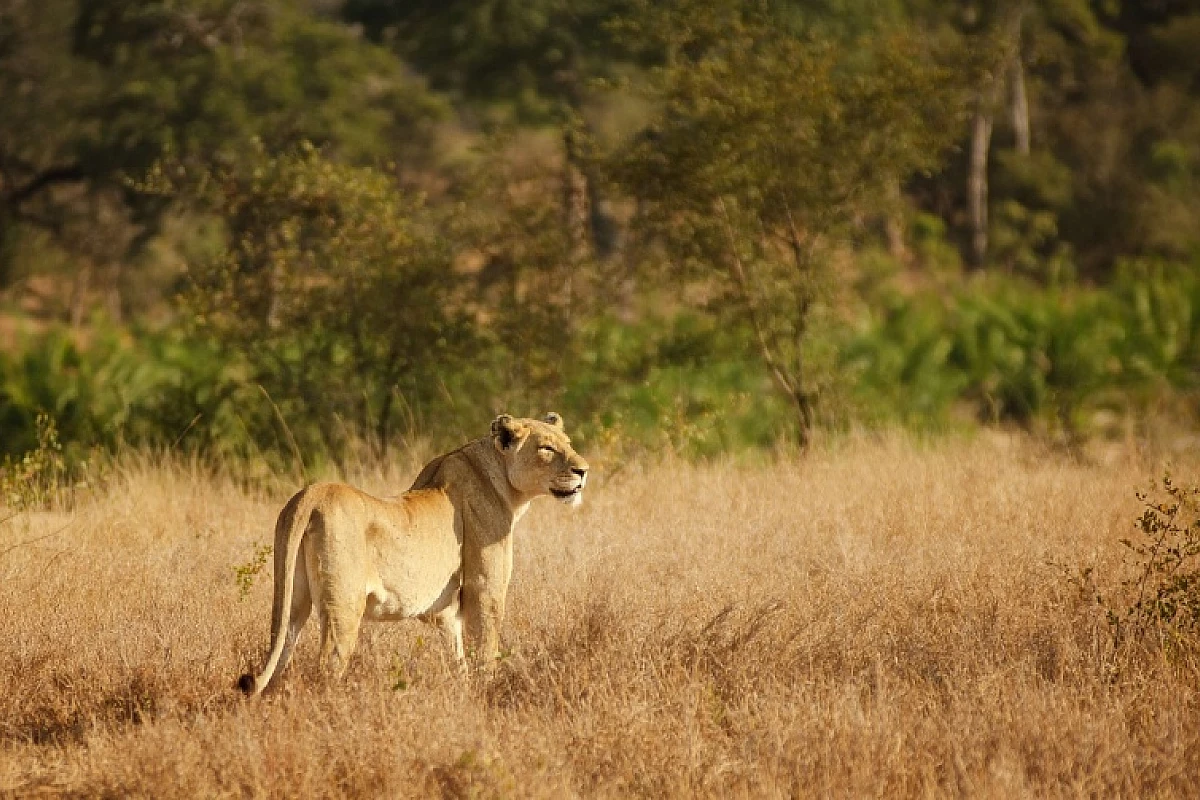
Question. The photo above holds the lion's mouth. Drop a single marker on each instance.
(571, 497)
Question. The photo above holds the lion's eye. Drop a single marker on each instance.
(547, 449)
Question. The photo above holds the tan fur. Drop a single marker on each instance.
(442, 551)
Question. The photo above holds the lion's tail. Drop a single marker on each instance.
(289, 533)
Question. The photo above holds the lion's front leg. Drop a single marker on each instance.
(483, 611)
(485, 590)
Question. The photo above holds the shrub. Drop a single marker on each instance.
(41, 478)
(1022, 353)
(1156, 599)
(334, 289)
(1164, 589)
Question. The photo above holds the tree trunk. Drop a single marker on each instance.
(893, 223)
(79, 293)
(790, 382)
(603, 230)
(1019, 104)
(112, 293)
(977, 178)
(1018, 99)
(383, 431)
(274, 292)
(576, 211)
(625, 268)
(805, 412)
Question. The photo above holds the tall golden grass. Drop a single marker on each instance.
(880, 619)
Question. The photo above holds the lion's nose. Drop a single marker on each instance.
(580, 471)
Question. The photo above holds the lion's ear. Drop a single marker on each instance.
(507, 430)
(553, 418)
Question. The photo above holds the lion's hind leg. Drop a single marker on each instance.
(339, 636)
(340, 598)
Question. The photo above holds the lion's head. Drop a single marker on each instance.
(539, 458)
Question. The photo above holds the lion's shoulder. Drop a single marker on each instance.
(429, 475)
(456, 470)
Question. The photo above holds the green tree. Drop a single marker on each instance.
(534, 56)
(529, 62)
(1081, 144)
(336, 288)
(767, 146)
(96, 91)
(536, 292)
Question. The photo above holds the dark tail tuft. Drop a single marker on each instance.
(246, 683)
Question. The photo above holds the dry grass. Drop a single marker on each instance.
(880, 620)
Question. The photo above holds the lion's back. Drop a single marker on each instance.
(428, 513)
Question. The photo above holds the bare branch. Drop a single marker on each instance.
(70, 173)
(788, 384)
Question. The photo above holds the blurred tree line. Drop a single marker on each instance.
(265, 227)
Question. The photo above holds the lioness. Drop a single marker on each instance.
(441, 551)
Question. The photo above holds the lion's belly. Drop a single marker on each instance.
(412, 575)
(408, 600)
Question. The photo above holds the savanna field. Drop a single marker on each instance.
(881, 618)
(896, 306)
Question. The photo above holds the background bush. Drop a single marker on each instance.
(301, 233)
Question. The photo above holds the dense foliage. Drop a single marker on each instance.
(285, 230)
